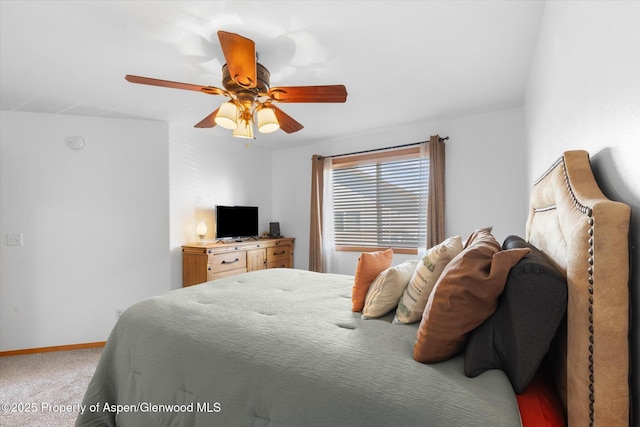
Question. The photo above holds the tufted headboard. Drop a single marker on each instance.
(587, 236)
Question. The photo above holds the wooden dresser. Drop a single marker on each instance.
(209, 261)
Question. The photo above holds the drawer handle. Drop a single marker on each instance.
(280, 253)
(230, 262)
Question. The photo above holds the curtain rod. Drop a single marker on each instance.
(378, 149)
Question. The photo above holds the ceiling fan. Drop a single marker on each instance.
(251, 98)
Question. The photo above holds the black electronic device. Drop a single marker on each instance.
(236, 222)
(274, 229)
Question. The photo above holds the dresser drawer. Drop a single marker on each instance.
(213, 276)
(283, 263)
(227, 261)
(278, 253)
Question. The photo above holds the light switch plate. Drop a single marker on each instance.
(14, 239)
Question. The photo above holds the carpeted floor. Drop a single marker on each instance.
(45, 389)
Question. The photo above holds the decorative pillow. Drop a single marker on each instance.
(370, 264)
(386, 290)
(518, 335)
(479, 231)
(465, 296)
(414, 299)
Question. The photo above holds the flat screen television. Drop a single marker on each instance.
(235, 222)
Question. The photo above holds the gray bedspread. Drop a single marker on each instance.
(279, 347)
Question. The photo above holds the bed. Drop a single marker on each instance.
(283, 347)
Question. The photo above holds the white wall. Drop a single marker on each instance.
(103, 226)
(584, 93)
(484, 179)
(95, 225)
(209, 167)
(584, 85)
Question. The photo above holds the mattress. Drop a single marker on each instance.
(279, 347)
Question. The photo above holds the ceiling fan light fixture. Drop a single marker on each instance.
(247, 85)
(227, 116)
(267, 121)
(244, 129)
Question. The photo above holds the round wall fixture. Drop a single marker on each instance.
(75, 142)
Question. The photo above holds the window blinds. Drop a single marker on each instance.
(380, 203)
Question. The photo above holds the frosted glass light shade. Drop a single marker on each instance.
(201, 229)
(244, 129)
(267, 121)
(227, 116)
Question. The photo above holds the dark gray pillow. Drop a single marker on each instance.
(517, 336)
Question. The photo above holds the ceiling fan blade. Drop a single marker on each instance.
(332, 93)
(240, 54)
(208, 122)
(287, 123)
(175, 85)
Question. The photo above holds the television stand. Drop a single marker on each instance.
(204, 262)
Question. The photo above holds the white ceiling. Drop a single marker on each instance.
(401, 61)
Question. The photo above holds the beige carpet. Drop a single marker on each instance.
(45, 389)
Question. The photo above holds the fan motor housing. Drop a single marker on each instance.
(262, 84)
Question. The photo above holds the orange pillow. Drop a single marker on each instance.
(465, 295)
(370, 264)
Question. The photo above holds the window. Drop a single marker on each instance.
(379, 200)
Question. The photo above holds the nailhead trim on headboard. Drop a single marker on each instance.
(548, 208)
(588, 212)
(551, 168)
(590, 270)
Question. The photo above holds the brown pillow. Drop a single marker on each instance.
(478, 232)
(370, 264)
(465, 296)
